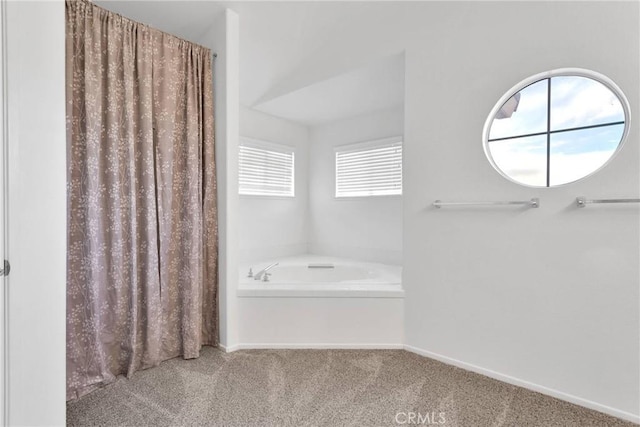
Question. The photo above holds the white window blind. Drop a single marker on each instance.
(266, 172)
(370, 169)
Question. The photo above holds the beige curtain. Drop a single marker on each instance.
(142, 226)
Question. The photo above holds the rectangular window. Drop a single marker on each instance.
(369, 169)
(266, 169)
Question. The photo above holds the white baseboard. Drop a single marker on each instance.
(315, 346)
(528, 385)
(228, 349)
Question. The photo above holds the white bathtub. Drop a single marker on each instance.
(320, 276)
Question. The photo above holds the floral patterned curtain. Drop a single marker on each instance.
(142, 224)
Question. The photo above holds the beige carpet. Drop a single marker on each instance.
(320, 387)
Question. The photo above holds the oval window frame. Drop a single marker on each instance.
(578, 72)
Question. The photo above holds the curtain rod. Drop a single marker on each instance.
(124, 18)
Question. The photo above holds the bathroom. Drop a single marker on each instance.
(325, 238)
(543, 299)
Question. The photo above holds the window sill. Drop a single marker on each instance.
(256, 196)
(368, 198)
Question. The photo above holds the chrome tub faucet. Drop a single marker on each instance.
(262, 272)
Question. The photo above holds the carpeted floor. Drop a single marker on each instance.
(320, 387)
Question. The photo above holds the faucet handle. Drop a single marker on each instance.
(250, 274)
(265, 278)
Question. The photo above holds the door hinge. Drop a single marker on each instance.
(6, 269)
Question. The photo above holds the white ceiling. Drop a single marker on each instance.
(379, 86)
(281, 46)
(187, 19)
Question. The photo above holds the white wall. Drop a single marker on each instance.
(273, 227)
(37, 213)
(368, 229)
(223, 39)
(321, 322)
(547, 296)
(314, 221)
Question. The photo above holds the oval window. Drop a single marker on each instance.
(557, 127)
